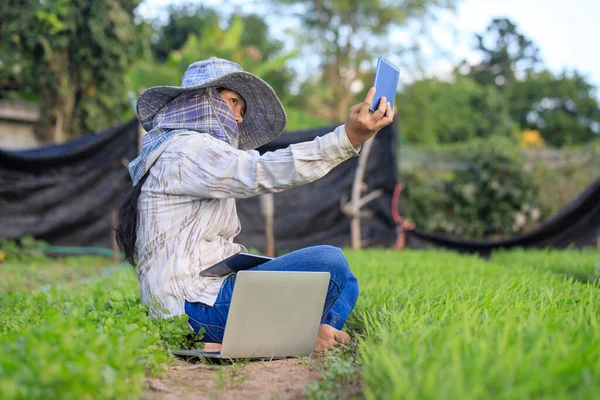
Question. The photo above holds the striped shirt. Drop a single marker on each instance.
(187, 217)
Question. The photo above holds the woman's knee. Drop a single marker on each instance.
(331, 259)
(352, 288)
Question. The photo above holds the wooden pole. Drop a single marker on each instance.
(355, 202)
(116, 256)
(267, 207)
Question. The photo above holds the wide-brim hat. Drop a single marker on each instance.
(264, 118)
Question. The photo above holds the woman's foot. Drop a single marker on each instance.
(328, 337)
(212, 346)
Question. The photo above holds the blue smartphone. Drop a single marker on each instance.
(386, 82)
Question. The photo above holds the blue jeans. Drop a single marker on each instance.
(342, 293)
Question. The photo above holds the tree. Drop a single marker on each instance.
(433, 111)
(70, 56)
(183, 21)
(563, 108)
(204, 24)
(506, 52)
(189, 20)
(214, 41)
(346, 36)
(490, 195)
(256, 34)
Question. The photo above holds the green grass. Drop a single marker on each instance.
(445, 326)
(27, 276)
(430, 325)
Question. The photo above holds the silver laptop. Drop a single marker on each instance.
(272, 315)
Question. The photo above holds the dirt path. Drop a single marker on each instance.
(281, 379)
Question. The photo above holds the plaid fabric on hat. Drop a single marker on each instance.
(264, 118)
(202, 111)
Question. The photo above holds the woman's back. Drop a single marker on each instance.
(178, 235)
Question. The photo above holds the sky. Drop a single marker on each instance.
(566, 32)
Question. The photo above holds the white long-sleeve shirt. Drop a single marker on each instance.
(187, 217)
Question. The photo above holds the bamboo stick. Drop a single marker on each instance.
(267, 207)
(355, 234)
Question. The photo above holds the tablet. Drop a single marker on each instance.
(237, 262)
(386, 82)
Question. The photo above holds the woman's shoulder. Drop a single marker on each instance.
(189, 141)
(195, 137)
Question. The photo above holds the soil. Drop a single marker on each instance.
(278, 379)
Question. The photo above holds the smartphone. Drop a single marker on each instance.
(386, 82)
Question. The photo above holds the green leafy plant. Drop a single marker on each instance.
(489, 195)
(175, 331)
(39, 273)
(25, 249)
(493, 195)
(94, 340)
(340, 375)
(232, 376)
(427, 325)
(71, 57)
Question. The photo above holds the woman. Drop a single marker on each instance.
(196, 160)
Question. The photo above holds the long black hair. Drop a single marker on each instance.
(127, 225)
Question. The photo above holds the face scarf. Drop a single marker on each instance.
(202, 111)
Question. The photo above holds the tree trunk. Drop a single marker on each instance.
(57, 102)
(68, 93)
(344, 104)
(45, 125)
(65, 113)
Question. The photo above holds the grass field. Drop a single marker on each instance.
(429, 325)
(83, 337)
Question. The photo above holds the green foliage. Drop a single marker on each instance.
(27, 274)
(427, 325)
(563, 108)
(25, 249)
(340, 375)
(175, 331)
(93, 340)
(183, 21)
(436, 325)
(432, 111)
(70, 56)
(503, 49)
(425, 200)
(490, 195)
(346, 37)
(299, 120)
(186, 20)
(493, 195)
(561, 181)
(214, 41)
(257, 35)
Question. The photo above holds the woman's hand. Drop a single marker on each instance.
(362, 124)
